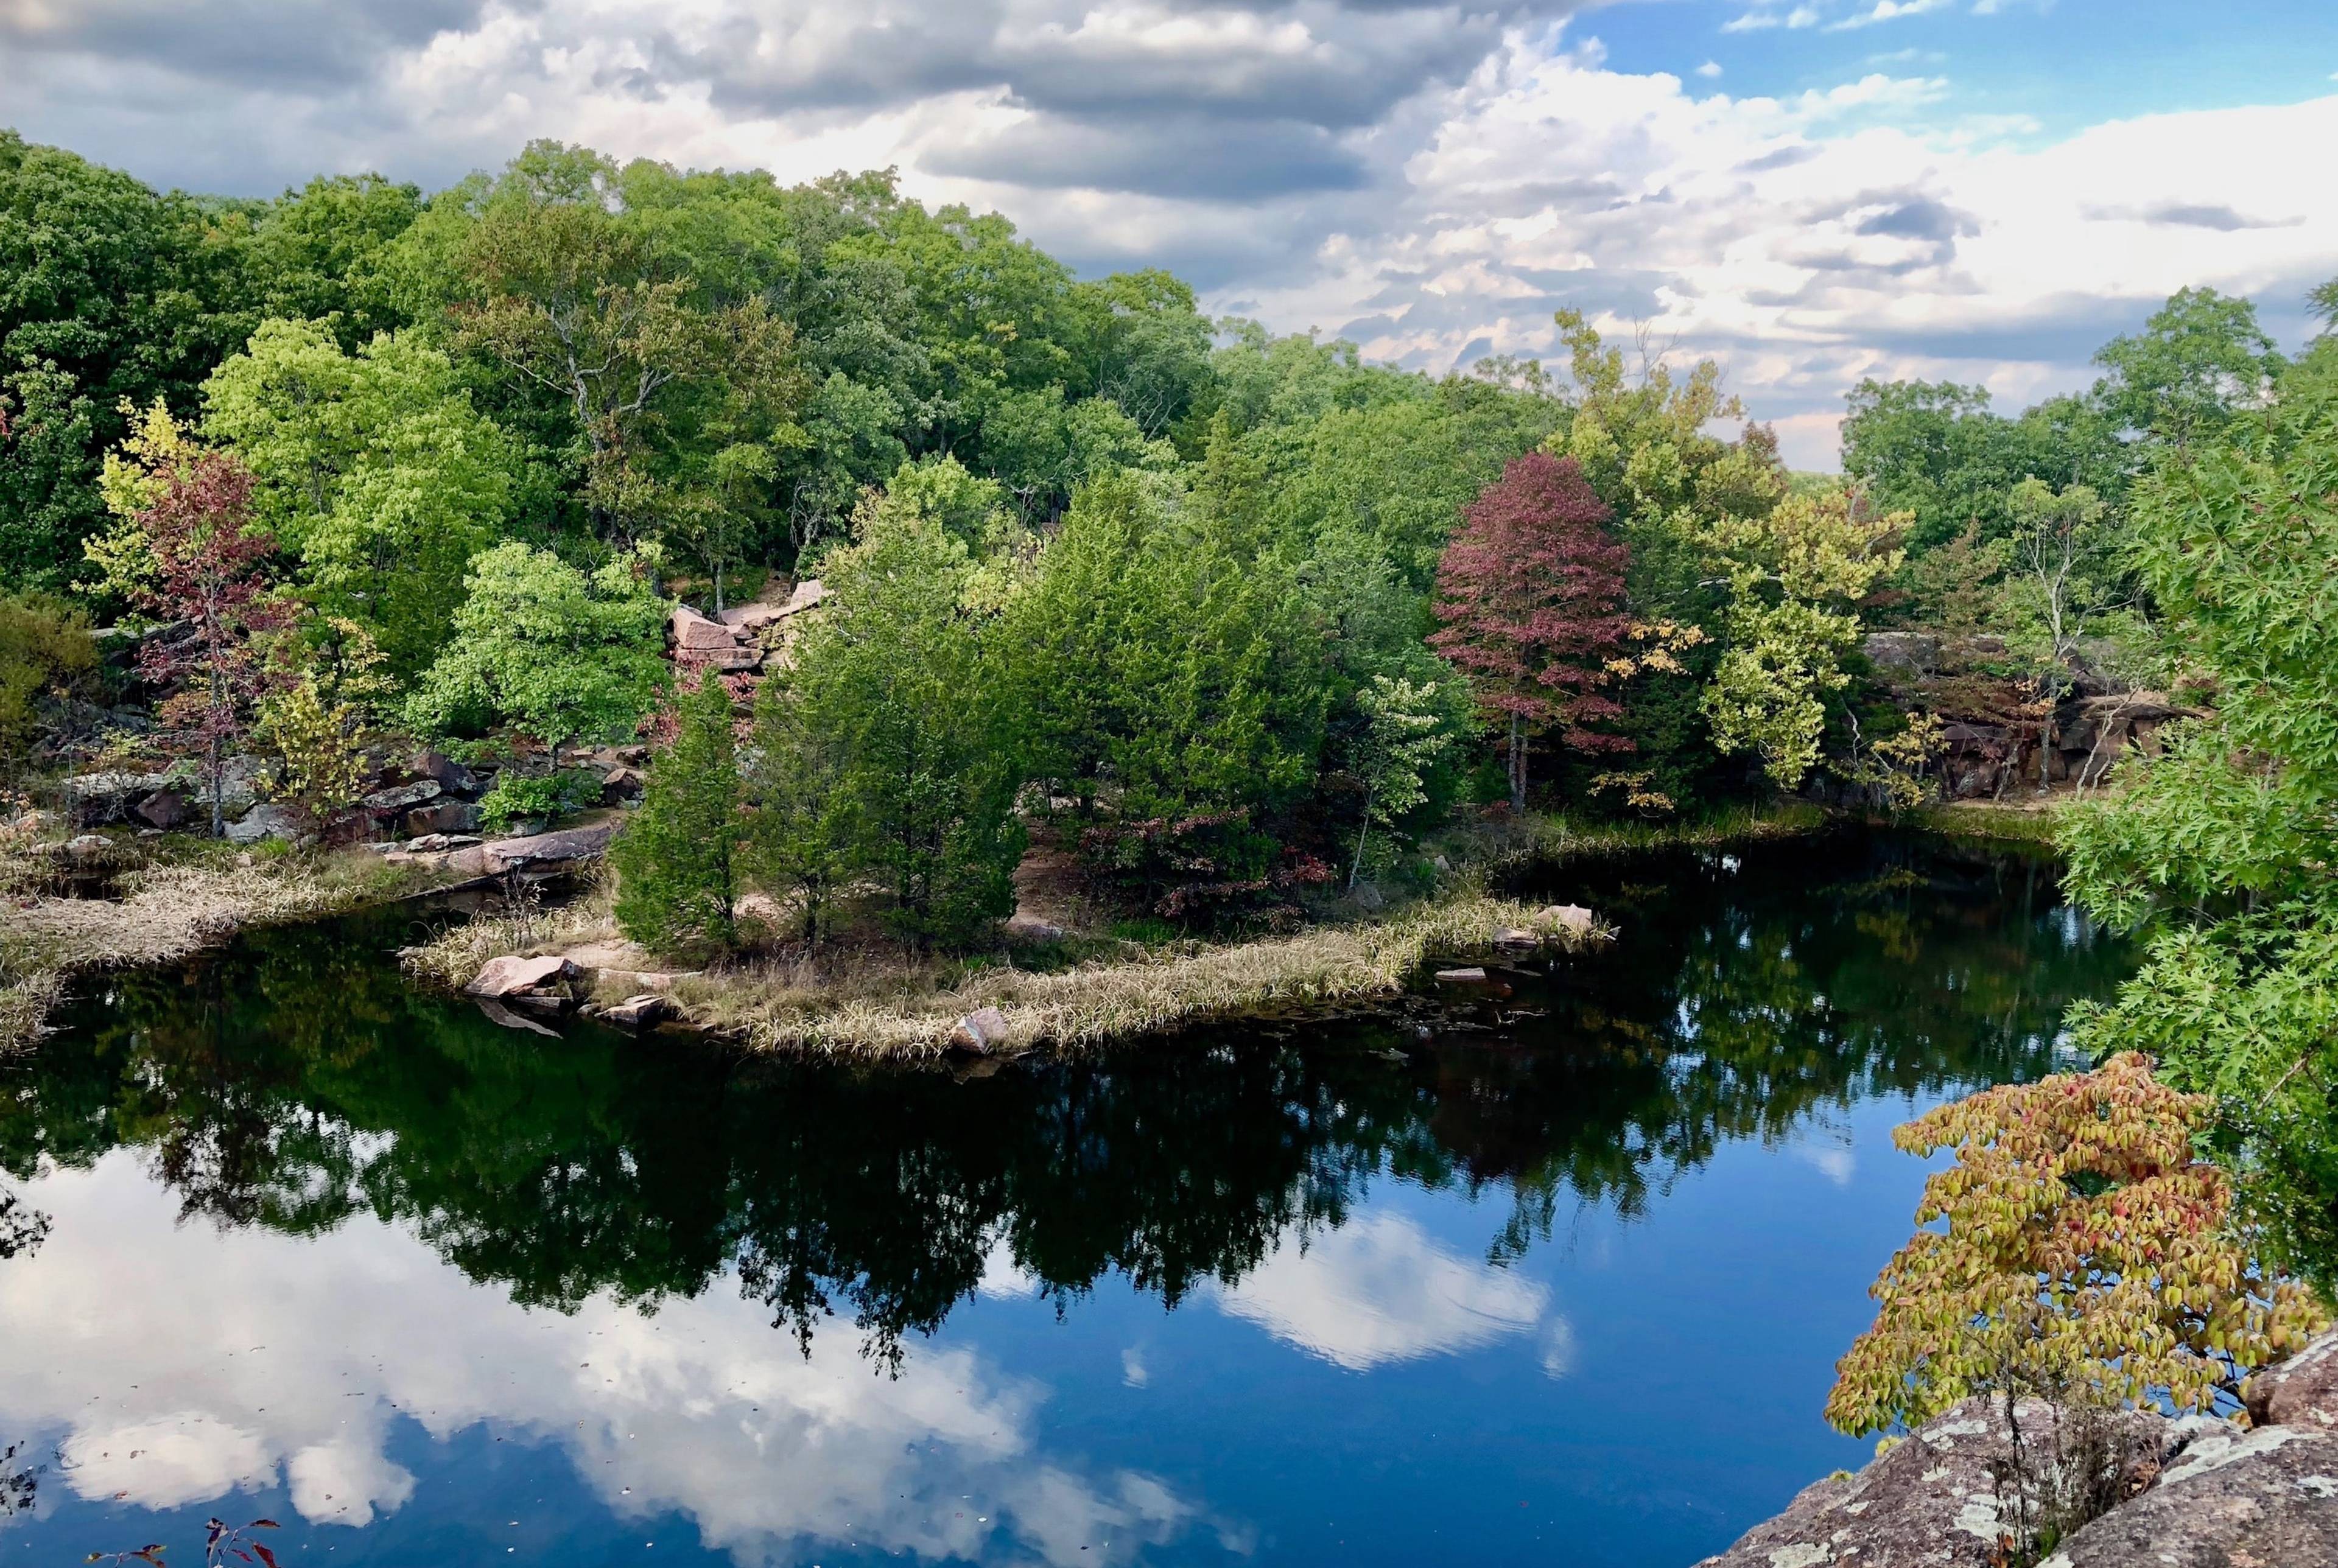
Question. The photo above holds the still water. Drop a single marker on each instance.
(1562, 1283)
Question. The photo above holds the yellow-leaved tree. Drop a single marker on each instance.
(2087, 1255)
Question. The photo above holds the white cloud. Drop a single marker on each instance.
(1408, 172)
(1378, 1291)
(1709, 69)
(304, 1353)
(1887, 11)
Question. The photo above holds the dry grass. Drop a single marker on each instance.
(168, 909)
(871, 1011)
(454, 955)
(880, 1003)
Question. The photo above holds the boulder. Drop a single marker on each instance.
(694, 633)
(273, 820)
(1513, 939)
(239, 785)
(635, 1012)
(164, 809)
(93, 800)
(735, 661)
(387, 802)
(982, 1032)
(2229, 1499)
(1367, 898)
(2302, 1391)
(442, 816)
(619, 785)
(1570, 921)
(1031, 928)
(1932, 1501)
(507, 975)
(539, 851)
(87, 847)
(432, 843)
(447, 773)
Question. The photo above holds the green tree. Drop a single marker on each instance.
(677, 858)
(2198, 363)
(109, 293)
(543, 647)
(322, 253)
(1795, 577)
(896, 676)
(2219, 846)
(374, 469)
(1405, 733)
(1160, 660)
(802, 831)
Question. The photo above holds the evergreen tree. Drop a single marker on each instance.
(896, 677)
(678, 858)
(803, 828)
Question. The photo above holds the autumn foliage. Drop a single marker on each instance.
(2085, 1250)
(1530, 591)
(205, 565)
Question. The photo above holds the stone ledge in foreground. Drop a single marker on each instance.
(2211, 1492)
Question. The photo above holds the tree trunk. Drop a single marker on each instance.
(218, 768)
(1359, 863)
(718, 587)
(1517, 763)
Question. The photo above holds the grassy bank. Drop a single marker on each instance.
(878, 1002)
(166, 907)
(2029, 823)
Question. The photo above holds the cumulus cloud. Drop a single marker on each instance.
(1433, 176)
(1381, 1289)
(298, 1375)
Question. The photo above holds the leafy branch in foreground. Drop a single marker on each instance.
(2085, 1250)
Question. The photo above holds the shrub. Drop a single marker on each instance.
(538, 797)
(2087, 1253)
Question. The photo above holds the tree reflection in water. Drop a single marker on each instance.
(296, 1081)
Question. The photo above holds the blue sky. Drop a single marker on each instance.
(1812, 191)
(2067, 63)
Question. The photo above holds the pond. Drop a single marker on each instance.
(1559, 1280)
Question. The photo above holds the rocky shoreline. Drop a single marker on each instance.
(2200, 1492)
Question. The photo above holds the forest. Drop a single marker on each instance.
(1237, 616)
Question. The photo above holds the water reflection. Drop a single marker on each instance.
(254, 1176)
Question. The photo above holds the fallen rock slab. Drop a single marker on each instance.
(540, 850)
(635, 1012)
(1031, 928)
(503, 976)
(694, 633)
(1473, 976)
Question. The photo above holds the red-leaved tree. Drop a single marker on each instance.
(1530, 590)
(206, 567)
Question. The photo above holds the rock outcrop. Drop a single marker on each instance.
(2203, 1492)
